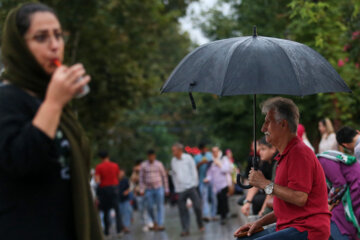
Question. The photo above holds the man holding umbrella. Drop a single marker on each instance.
(300, 193)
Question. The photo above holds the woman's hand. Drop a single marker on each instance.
(64, 84)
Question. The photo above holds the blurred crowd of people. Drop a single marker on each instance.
(202, 181)
(206, 179)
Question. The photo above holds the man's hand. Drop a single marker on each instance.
(246, 209)
(206, 180)
(257, 179)
(167, 193)
(141, 193)
(250, 228)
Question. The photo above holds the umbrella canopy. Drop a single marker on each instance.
(255, 65)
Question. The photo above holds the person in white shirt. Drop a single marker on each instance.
(328, 137)
(186, 181)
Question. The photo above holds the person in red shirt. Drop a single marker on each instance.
(299, 190)
(107, 175)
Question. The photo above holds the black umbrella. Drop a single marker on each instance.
(254, 65)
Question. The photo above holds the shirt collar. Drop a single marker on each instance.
(182, 156)
(292, 143)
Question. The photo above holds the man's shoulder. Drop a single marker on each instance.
(99, 168)
(301, 148)
(99, 165)
(198, 157)
(159, 163)
(187, 157)
(302, 152)
(111, 165)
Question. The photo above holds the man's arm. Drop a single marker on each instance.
(164, 178)
(267, 219)
(97, 178)
(194, 173)
(142, 180)
(97, 175)
(298, 198)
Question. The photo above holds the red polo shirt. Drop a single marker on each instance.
(108, 172)
(299, 169)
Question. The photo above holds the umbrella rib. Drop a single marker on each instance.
(292, 64)
(228, 58)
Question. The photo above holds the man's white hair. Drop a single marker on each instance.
(179, 146)
(284, 109)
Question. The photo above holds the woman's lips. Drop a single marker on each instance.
(56, 62)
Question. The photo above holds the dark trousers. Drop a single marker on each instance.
(193, 194)
(108, 198)
(223, 204)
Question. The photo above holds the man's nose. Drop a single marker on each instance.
(263, 128)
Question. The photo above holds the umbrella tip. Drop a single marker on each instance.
(255, 32)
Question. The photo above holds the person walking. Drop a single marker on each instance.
(107, 175)
(218, 176)
(154, 184)
(124, 201)
(45, 154)
(299, 190)
(139, 197)
(203, 161)
(186, 181)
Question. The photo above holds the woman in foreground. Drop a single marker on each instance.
(44, 160)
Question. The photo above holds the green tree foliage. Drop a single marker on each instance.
(330, 27)
(129, 48)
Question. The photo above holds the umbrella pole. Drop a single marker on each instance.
(254, 160)
(239, 177)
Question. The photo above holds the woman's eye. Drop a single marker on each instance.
(41, 38)
(59, 35)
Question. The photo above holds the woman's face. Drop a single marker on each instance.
(322, 128)
(266, 153)
(44, 40)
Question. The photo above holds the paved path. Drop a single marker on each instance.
(213, 230)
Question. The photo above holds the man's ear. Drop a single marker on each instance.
(346, 145)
